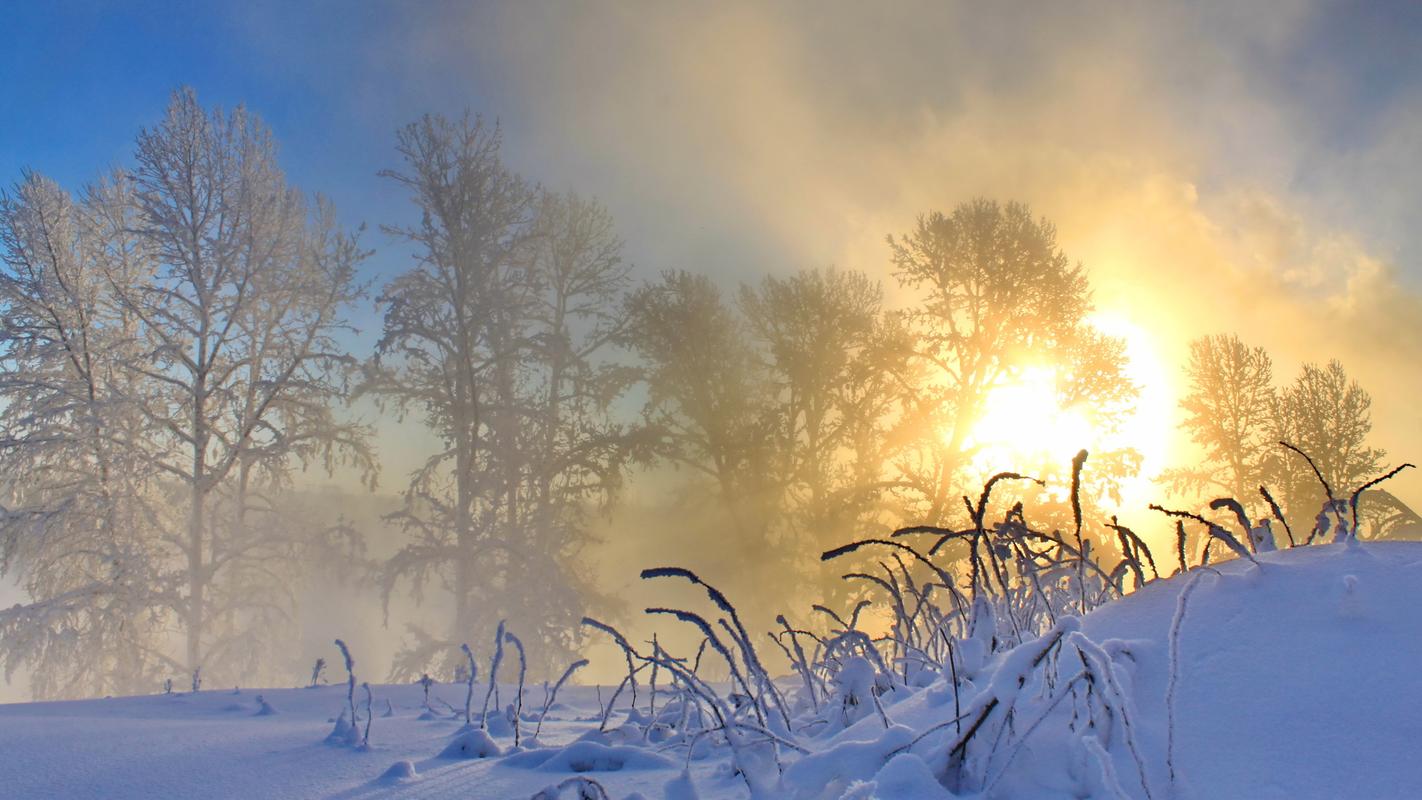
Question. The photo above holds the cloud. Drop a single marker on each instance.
(1192, 157)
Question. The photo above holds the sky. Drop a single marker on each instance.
(1217, 167)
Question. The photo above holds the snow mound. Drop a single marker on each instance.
(472, 743)
(498, 724)
(682, 788)
(400, 771)
(1295, 678)
(343, 732)
(905, 776)
(847, 760)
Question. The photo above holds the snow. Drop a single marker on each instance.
(589, 757)
(471, 743)
(1295, 678)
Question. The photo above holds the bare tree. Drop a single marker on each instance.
(1327, 415)
(1230, 412)
(446, 335)
(576, 451)
(836, 363)
(1238, 417)
(708, 396)
(76, 502)
(497, 336)
(997, 296)
(236, 360)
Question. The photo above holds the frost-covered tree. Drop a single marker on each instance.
(708, 397)
(236, 362)
(575, 451)
(76, 501)
(170, 355)
(1329, 416)
(996, 295)
(1237, 416)
(835, 364)
(447, 331)
(1230, 409)
(497, 336)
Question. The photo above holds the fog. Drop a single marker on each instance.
(1215, 168)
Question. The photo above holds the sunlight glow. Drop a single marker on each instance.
(1024, 428)
(1149, 427)
(1024, 424)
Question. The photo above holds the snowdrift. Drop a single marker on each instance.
(1295, 678)
(1292, 678)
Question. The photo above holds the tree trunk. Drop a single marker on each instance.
(466, 436)
(196, 584)
(197, 514)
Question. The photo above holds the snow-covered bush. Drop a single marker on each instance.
(979, 681)
(471, 743)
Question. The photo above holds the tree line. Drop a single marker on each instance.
(175, 347)
(1240, 418)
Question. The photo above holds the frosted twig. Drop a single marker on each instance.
(553, 696)
(493, 673)
(522, 671)
(1353, 501)
(350, 678)
(469, 687)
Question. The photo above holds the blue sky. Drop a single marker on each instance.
(84, 77)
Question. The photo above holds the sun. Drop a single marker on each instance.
(1023, 425)
(1025, 428)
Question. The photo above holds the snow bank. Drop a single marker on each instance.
(471, 743)
(1293, 679)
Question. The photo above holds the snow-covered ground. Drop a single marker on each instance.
(1298, 678)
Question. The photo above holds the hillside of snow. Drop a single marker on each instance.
(1293, 678)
